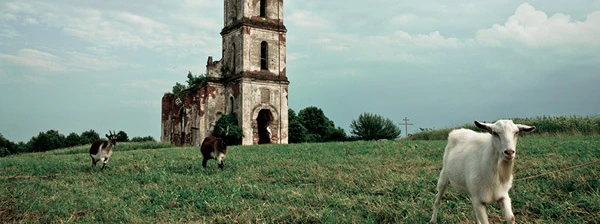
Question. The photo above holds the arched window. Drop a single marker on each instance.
(264, 50)
(263, 8)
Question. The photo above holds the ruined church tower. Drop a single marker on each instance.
(249, 80)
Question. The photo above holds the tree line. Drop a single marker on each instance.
(311, 125)
(53, 139)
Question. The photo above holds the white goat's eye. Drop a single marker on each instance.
(495, 134)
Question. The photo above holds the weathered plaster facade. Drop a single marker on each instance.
(250, 80)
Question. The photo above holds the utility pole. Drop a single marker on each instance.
(406, 124)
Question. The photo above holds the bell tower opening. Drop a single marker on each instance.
(264, 119)
(263, 8)
(264, 51)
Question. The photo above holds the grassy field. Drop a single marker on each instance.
(348, 182)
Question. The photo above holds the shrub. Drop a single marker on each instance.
(178, 88)
(370, 126)
(194, 82)
(227, 128)
(335, 135)
(143, 139)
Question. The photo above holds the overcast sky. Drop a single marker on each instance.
(79, 65)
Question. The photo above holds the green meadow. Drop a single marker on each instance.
(343, 182)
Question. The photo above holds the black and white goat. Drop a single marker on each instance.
(102, 149)
(213, 148)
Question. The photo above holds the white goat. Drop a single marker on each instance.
(102, 149)
(480, 164)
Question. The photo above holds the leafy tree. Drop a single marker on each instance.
(49, 140)
(143, 139)
(89, 137)
(72, 139)
(227, 128)
(319, 127)
(370, 126)
(122, 137)
(6, 147)
(194, 82)
(296, 131)
(178, 87)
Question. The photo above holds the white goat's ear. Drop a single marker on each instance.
(484, 126)
(525, 128)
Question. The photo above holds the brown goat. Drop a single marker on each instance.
(213, 148)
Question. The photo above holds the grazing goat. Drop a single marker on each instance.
(102, 149)
(213, 148)
(480, 164)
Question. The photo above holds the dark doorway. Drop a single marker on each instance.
(264, 119)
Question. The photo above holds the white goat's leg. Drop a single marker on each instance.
(479, 210)
(220, 161)
(505, 206)
(441, 187)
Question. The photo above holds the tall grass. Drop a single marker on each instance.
(545, 126)
(347, 182)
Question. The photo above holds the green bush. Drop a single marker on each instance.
(370, 126)
(227, 128)
(195, 82)
(178, 88)
(335, 135)
(143, 139)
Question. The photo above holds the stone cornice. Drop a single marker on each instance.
(254, 75)
(272, 25)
